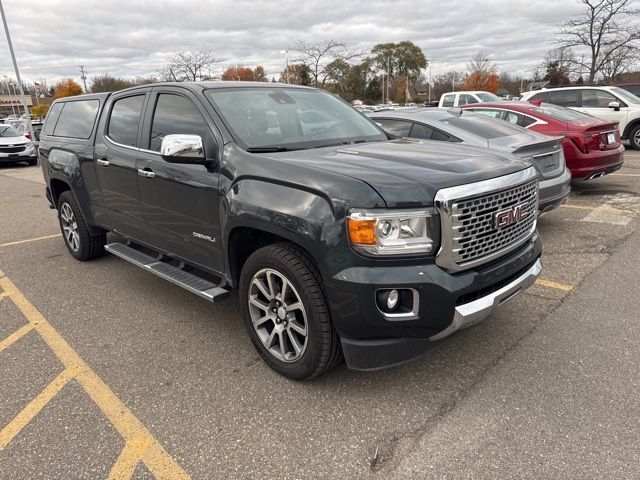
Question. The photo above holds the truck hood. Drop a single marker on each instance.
(408, 173)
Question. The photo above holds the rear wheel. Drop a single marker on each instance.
(286, 314)
(75, 231)
(32, 162)
(634, 138)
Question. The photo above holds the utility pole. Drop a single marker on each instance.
(15, 66)
(83, 76)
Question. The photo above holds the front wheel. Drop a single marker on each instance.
(75, 231)
(634, 138)
(286, 314)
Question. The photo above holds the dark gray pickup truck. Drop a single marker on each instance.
(341, 242)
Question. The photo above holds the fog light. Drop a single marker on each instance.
(392, 299)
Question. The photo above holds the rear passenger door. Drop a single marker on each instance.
(180, 201)
(116, 154)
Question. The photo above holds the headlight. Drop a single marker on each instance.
(29, 147)
(389, 232)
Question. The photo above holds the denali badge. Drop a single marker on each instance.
(504, 218)
(201, 236)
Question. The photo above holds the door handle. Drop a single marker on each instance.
(102, 163)
(146, 173)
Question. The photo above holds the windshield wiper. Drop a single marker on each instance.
(339, 144)
(269, 149)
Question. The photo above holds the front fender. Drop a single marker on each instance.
(303, 217)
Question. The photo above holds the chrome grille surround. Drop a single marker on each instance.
(469, 237)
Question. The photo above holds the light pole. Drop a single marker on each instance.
(15, 66)
(286, 64)
(429, 82)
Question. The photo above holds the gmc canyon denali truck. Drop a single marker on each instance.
(340, 241)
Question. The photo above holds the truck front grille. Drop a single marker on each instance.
(471, 235)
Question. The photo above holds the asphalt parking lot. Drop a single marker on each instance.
(108, 371)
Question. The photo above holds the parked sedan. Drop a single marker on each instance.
(456, 125)
(15, 147)
(592, 147)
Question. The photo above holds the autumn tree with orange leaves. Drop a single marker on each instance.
(245, 74)
(481, 74)
(67, 88)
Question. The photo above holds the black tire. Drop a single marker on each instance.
(634, 137)
(32, 162)
(82, 246)
(322, 345)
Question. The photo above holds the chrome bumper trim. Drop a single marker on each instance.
(472, 312)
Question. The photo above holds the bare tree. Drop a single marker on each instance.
(619, 62)
(481, 63)
(189, 66)
(605, 29)
(316, 55)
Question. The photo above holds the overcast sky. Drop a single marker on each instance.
(129, 38)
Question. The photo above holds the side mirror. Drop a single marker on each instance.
(614, 105)
(179, 148)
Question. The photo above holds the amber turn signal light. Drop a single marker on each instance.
(362, 231)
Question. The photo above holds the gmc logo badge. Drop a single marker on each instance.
(504, 218)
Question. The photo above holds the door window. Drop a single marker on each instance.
(597, 99)
(512, 118)
(420, 131)
(565, 98)
(395, 127)
(488, 113)
(175, 114)
(449, 100)
(466, 99)
(124, 120)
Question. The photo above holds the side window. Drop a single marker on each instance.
(124, 120)
(440, 136)
(488, 113)
(466, 99)
(449, 100)
(177, 114)
(52, 118)
(420, 131)
(398, 128)
(77, 119)
(597, 99)
(564, 98)
(526, 121)
(512, 118)
(540, 96)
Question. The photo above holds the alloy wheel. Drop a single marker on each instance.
(70, 227)
(278, 315)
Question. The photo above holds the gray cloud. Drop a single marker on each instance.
(130, 38)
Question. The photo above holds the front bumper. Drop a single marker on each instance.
(448, 301)
(554, 192)
(17, 157)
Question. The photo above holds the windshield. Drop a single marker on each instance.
(483, 126)
(488, 97)
(291, 118)
(561, 113)
(9, 131)
(625, 95)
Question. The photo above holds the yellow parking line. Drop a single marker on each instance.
(15, 336)
(29, 240)
(37, 404)
(129, 458)
(550, 284)
(156, 458)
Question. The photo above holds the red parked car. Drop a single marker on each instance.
(592, 147)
